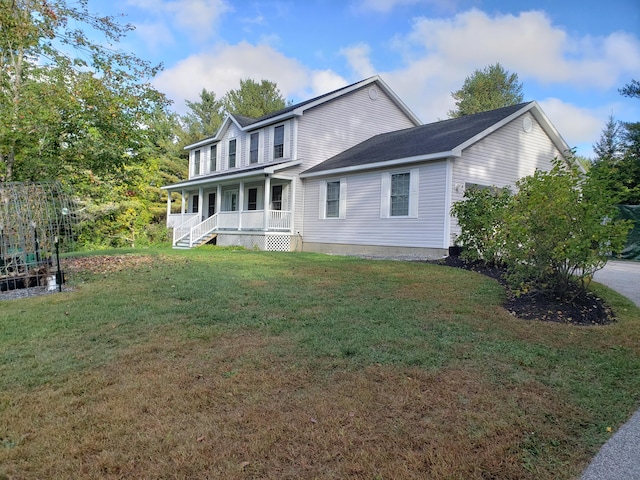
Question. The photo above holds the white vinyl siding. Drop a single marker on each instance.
(344, 122)
(363, 225)
(501, 159)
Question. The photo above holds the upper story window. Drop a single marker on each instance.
(399, 194)
(254, 143)
(278, 142)
(213, 158)
(232, 153)
(196, 162)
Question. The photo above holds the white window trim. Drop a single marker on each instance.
(260, 147)
(385, 193)
(199, 163)
(232, 139)
(217, 158)
(342, 210)
(286, 150)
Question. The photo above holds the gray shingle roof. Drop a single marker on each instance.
(429, 139)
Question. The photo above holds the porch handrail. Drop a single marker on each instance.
(203, 228)
(184, 229)
(279, 219)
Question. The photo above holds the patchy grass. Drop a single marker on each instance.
(220, 363)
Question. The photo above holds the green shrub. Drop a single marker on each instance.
(480, 216)
(552, 235)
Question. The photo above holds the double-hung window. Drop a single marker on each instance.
(196, 162)
(333, 199)
(213, 158)
(278, 142)
(399, 194)
(254, 142)
(232, 153)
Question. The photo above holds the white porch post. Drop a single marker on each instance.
(168, 206)
(240, 204)
(267, 201)
(201, 202)
(183, 207)
(218, 198)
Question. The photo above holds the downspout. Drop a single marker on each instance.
(446, 240)
(267, 201)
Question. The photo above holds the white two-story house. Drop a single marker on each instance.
(351, 171)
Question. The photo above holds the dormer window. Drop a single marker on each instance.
(232, 153)
(278, 142)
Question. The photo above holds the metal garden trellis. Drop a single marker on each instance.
(34, 223)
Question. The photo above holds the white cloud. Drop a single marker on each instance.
(580, 127)
(197, 17)
(358, 58)
(527, 44)
(222, 69)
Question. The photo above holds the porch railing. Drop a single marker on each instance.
(279, 220)
(203, 228)
(184, 229)
(193, 229)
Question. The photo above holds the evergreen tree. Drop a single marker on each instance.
(609, 147)
(487, 89)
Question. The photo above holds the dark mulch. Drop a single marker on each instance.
(585, 309)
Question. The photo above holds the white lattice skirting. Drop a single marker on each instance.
(270, 243)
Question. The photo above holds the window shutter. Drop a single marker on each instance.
(322, 199)
(343, 198)
(414, 186)
(385, 192)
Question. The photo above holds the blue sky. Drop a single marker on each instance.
(571, 56)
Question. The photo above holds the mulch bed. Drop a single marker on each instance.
(585, 309)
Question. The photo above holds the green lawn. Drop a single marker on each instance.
(221, 363)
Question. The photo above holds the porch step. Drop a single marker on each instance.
(184, 244)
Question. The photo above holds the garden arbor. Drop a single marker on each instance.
(34, 226)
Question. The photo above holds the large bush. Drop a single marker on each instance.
(552, 235)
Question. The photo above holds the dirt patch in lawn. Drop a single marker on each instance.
(238, 407)
(585, 309)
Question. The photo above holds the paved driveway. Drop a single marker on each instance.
(623, 277)
(619, 458)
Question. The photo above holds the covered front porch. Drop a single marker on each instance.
(254, 205)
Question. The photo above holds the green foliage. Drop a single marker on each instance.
(66, 100)
(560, 229)
(552, 235)
(480, 217)
(487, 89)
(254, 99)
(617, 162)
